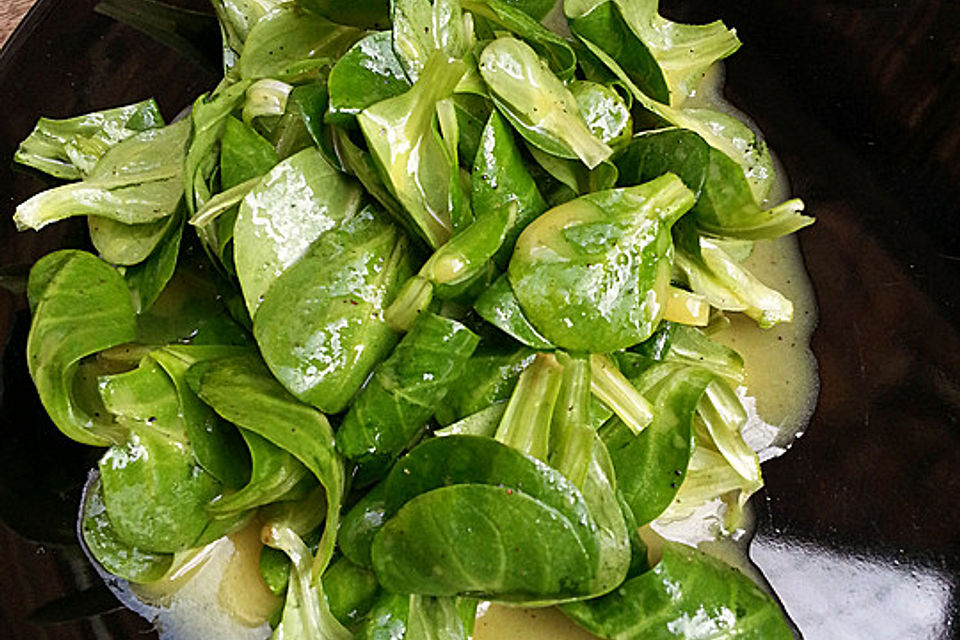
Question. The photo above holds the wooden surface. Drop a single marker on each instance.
(11, 12)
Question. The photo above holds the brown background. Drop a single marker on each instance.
(11, 12)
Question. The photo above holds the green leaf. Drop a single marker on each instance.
(726, 207)
(236, 18)
(652, 153)
(515, 17)
(729, 286)
(81, 306)
(137, 181)
(492, 373)
(603, 24)
(725, 202)
(208, 120)
(464, 261)
(537, 9)
(321, 327)
(360, 524)
(721, 131)
(592, 274)
(573, 175)
(310, 103)
(191, 310)
(216, 444)
(500, 177)
(127, 244)
(605, 112)
(651, 466)
(734, 139)
(242, 390)
(422, 27)
(70, 148)
(145, 396)
(499, 306)
(306, 612)
(361, 164)
(472, 113)
(724, 417)
(687, 594)
(274, 472)
(155, 493)
(600, 494)
(149, 278)
(244, 154)
(480, 423)
(351, 591)
(665, 57)
(537, 103)
(295, 203)
(289, 44)
(413, 160)
(522, 531)
(498, 552)
(691, 346)
(441, 618)
(388, 619)
(404, 393)
(114, 554)
(369, 73)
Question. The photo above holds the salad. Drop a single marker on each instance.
(425, 296)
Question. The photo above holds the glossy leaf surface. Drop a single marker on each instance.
(499, 177)
(679, 54)
(242, 390)
(135, 182)
(651, 466)
(320, 327)
(404, 392)
(155, 492)
(288, 43)
(536, 102)
(687, 594)
(368, 73)
(70, 148)
(591, 275)
(294, 204)
(414, 162)
(114, 554)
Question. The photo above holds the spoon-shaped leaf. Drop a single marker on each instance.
(405, 391)
(321, 326)
(294, 204)
(592, 274)
(114, 554)
(70, 148)
(537, 103)
(687, 593)
(155, 493)
(137, 181)
(368, 73)
(288, 43)
(665, 57)
(81, 306)
(414, 162)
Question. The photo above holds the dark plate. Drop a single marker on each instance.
(859, 528)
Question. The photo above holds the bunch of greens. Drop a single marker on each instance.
(425, 292)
